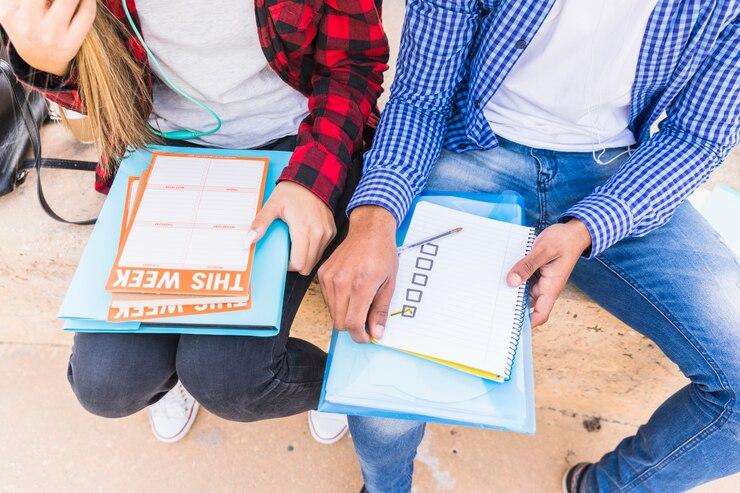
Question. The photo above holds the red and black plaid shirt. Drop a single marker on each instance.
(332, 51)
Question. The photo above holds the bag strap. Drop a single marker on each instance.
(19, 98)
(57, 163)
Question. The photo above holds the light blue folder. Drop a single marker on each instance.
(372, 380)
(86, 304)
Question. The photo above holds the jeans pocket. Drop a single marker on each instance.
(614, 157)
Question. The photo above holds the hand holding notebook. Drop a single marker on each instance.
(371, 380)
(452, 303)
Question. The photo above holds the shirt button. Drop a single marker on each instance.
(477, 104)
(521, 44)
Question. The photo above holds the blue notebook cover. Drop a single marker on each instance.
(86, 304)
(371, 380)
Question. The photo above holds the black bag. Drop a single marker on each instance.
(14, 141)
(21, 113)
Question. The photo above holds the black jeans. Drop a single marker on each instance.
(237, 378)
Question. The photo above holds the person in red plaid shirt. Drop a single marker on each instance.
(293, 75)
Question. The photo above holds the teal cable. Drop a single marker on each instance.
(176, 134)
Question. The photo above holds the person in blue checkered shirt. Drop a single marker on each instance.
(555, 99)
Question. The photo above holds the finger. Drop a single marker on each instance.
(526, 267)
(542, 308)
(341, 302)
(357, 312)
(312, 255)
(535, 290)
(327, 292)
(300, 244)
(8, 7)
(323, 244)
(83, 20)
(262, 221)
(359, 335)
(61, 12)
(378, 315)
(34, 8)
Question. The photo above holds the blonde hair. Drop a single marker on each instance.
(113, 89)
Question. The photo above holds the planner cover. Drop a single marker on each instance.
(86, 304)
(371, 380)
(188, 227)
(139, 306)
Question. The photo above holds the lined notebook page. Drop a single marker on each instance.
(195, 214)
(453, 295)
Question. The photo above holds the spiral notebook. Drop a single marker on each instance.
(451, 304)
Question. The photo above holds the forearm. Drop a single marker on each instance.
(331, 136)
(399, 163)
(60, 89)
(346, 83)
(434, 48)
(701, 127)
(646, 190)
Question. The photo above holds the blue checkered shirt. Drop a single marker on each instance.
(455, 54)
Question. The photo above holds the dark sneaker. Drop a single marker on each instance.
(573, 477)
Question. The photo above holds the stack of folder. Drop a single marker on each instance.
(368, 380)
(378, 381)
(87, 305)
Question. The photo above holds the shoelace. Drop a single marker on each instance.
(176, 403)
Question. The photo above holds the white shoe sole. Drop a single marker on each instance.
(326, 441)
(565, 476)
(184, 431)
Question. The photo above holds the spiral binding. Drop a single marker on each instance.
(521, 305)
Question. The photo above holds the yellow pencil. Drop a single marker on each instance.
(398, 312)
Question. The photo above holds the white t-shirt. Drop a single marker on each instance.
(571, 88)
(212, 52)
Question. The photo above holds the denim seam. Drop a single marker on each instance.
(282, 388)
(541, 193)
(711, 427)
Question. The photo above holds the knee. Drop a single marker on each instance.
(378, 435)
(106, 393)
(237, 398)
(733, 386)
(721, 390)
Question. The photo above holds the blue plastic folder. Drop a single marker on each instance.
(372, 380)
(85, 307)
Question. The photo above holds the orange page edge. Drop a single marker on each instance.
(149, 313)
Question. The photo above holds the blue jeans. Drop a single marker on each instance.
(678, 285)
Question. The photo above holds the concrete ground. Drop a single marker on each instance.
(596, 381)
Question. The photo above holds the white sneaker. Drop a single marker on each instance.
(327, 428)
(173, 415)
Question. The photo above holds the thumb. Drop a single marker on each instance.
(261, 222)
(527, 266)
(378, 314)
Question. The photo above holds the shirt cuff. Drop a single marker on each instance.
(37, 79)
(607, 218)
(319, 171)
(385, 188)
